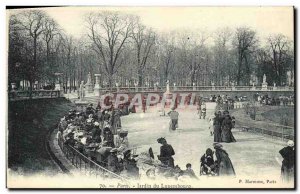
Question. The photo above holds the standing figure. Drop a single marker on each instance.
(96, 133)
(226, 134)
(287, 168)
(108, 137)
(166, 153)
(225, 167)
(203, 111)
(217, 128)
(174, 119)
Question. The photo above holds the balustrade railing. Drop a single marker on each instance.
(86, 165)
(15, 95)
(195, 88)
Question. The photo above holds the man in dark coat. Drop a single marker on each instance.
(108, 137)
(96, 133)
(225, 167)
(113, 164)
(166, 153)
(287, 168)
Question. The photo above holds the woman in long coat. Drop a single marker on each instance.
(287, 168)
(217, 129)
(226, 134)
(225, 167)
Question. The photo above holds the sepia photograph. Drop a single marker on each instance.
(150, 98)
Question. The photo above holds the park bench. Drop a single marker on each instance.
(244, 128)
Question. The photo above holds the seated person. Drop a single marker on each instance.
(70, 140)
(189, 171)
(122, 141)
(96, 133)
(108, 137)
(207, 166)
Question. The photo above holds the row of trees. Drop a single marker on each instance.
(124, 51)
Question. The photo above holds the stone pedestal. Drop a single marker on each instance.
(97, 85)
(81, 105)
(136, 87)
(58, 87)
(175, 87)
(264, 86)
(117, 86)
(89, 85)
(194, 87)
(155, 87)
(213, 86)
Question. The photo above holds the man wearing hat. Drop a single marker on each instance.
(287, 168)
(113, 164)
(90, 110)
(166, 153)
(96, 133)
(173, 114)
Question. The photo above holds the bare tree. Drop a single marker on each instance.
(167, 54)
(244, 42)
(279, 46)
(51, 30)
(221, 51)
(144, 40)
(32, 22)
(109, 31)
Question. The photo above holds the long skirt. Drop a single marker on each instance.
(217, 133)
(287, 174)
(227, 135)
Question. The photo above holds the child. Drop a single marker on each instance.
(189, 172)
(207, 166)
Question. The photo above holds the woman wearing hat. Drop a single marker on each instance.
(287, 168)
(217, 128)
(223, 161)
(226, 134)
(166, 153)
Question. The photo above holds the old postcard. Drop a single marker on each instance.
(150, 97)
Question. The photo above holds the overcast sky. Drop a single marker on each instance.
(265, 20)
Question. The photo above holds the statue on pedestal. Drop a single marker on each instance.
(175, 88)
(89, 84)
(264, 78)
(97, 85)
(81, 91)
(264, 84)
(213, 85)
(136, 86)
(117, 86)
(168, 87)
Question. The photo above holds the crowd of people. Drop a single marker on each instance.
(212, 163)
(97, 134)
